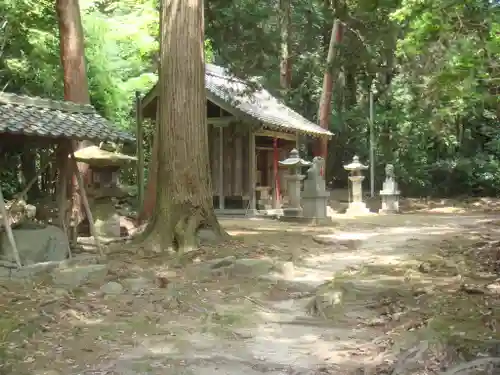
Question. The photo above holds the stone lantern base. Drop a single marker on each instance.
(357, 209)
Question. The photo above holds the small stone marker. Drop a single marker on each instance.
(389, 193)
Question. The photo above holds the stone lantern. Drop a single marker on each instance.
(356, 206)
(294, 164)
(104, 188)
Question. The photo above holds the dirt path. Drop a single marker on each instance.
(281, 337)
(224, 323)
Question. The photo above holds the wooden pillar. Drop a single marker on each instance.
(214, 158)
(64, 186)
(86, 204)
(238, 165)
(252, 169)
(221, 168)
(276, 182)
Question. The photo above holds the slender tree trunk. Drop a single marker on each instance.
(286, 63)
(76, 87)
(285, 83)
(150, 197)
(184, 193)
(321, 148)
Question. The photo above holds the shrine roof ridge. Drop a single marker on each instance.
(247, 99)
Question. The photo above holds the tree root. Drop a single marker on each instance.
(176, 229)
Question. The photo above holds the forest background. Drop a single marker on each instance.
(434, 68)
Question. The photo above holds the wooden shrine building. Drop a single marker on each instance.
(249, 132)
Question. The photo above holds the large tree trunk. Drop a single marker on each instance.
(76, 87)
(321, 148)
(184, 192)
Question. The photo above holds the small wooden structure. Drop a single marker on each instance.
(249, 131)
(45, 123)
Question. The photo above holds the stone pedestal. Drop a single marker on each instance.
(264, 198)
(314, 206)
(106, 219)
(357, 206)
(315, 197)
(390, 202)
(293, 188)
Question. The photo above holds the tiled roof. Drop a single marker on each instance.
(259, 104)
(242, 99)
(34, 116)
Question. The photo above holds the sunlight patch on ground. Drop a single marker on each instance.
(383, 280)
(163, 349)
(310, 338)
(82, 319)
(428, 230)
(302, 349)
(268, 229)
(350, 235)
(333, 261)
(242, 232)
(308, 276)
(387, 259)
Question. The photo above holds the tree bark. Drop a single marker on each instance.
(321, 148)
(183, 192)
(286, 63)
(76, 87)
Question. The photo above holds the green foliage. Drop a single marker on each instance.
(433, 66)
(434, 69)
(29, 48)
(119, 48)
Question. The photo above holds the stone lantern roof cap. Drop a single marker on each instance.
(355, 165)
(294, 160)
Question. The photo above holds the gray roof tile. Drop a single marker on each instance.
(33, 116)
(258, 104)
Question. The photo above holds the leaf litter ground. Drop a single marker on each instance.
(360, 294)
